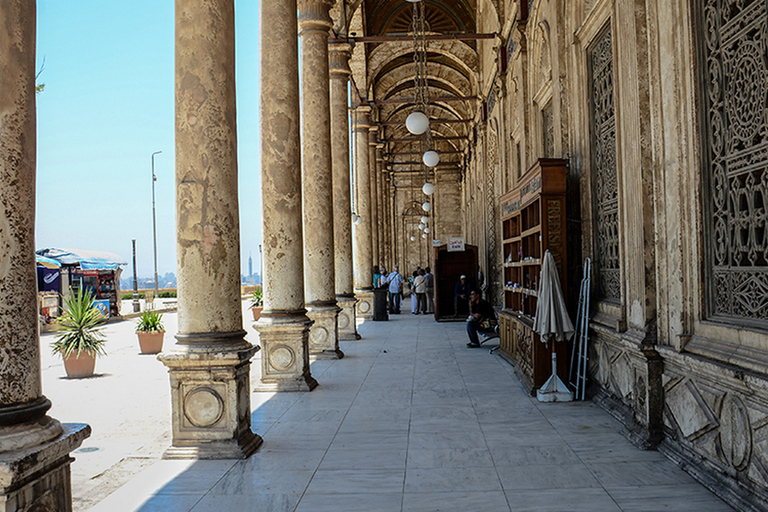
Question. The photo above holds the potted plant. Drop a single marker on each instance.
(151, 332)
(257, 303)
(80, 339)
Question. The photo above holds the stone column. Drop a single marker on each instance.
(363, 247)
(210, 364)
(320, 282)
(34, 448)
(338, 60)
(284, 325)
(380, 200)
(372, 164)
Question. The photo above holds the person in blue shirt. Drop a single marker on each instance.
(460, 294)
(395, 281)
(430, 290)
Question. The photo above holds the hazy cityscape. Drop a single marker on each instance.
(168, 280)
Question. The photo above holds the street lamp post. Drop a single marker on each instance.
(154, 221)
(136, 303)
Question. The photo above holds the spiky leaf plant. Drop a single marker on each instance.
(257, 300)
(80, 327)
(150, 321)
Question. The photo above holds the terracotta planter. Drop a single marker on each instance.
(151, 342)
(257, 312)
(79, 365)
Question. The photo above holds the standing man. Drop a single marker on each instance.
(482, 317)
(430, 291)
(395, 281)
(460, 294)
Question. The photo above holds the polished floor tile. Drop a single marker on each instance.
(413, 421)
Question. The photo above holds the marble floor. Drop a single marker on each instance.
(412, 420)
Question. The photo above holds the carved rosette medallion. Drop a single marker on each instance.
(735, 434)
(343, 319)
(203, 407)
(282, 357)
(318, 335)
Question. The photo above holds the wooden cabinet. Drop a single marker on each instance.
(533, 220)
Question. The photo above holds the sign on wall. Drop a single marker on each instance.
(456, 244)
(437, 243)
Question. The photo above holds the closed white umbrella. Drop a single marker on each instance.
(554, 325)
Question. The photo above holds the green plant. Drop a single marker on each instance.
(150, 321)
(79, 327)
(257, 300)
(169, 294)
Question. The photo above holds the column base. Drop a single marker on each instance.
(364, 308)
(347, 320)
(284, 339)
(229, 449)
(38, 478)
(324, 333)
(211, 397)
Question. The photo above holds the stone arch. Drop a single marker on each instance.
(543, 57)
(460, 52)
(436, 72)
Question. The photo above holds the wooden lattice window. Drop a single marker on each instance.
(605, 191)
(734, 100)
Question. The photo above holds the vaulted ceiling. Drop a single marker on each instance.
(452, 65)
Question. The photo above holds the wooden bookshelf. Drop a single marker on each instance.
(533, 220)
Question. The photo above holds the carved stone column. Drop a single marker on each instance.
(374, 209)
(381, 232)
(34, 448)
(320, 282)
(209, 367)
(363, 247)
(338, 59)
(284, 325)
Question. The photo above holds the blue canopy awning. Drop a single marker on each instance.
(96, 260)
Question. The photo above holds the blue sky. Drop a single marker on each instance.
(108, 105)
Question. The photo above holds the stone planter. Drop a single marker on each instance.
(151, 342)
(79, 365)
(256, 312)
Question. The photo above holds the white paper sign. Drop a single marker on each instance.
(437, 243)
(456, 244)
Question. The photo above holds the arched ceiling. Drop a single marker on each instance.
(385, 17)
(452, 66)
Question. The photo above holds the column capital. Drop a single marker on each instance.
(314, 15)
(372, 139)
(339, 54)
(361, 118)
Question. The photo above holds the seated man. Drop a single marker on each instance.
(482, 317)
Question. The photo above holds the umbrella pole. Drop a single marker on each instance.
(554, 390)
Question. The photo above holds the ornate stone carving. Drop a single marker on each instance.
(548, 131)
(735, 438)
(494, 292)
(605, 193)
(203, 407)
(735, 123)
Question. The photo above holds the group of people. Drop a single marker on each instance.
(421, 284)
(481, 319)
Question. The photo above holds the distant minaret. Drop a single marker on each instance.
(250, 265)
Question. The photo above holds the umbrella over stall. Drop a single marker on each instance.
(554, 325)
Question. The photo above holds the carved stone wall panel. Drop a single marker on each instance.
(719, 416)
(621, 372)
